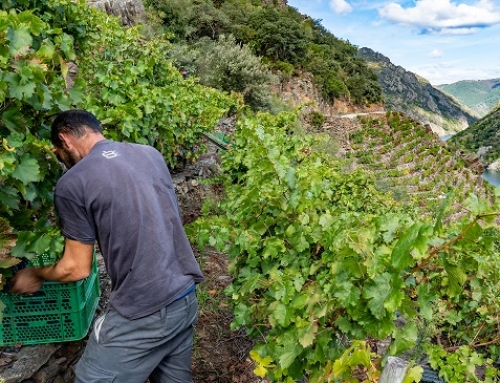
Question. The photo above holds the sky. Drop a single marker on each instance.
(444, 41)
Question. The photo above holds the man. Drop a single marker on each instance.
(121, 195)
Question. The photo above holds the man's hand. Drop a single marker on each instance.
(75, 265)
(26, 281)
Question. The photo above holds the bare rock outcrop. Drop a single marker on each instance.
(300, 90)
(406, 92)
(130, 12)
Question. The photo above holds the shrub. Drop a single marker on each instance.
(285, 70)
(334, 88)
(227, 66)
(316, 118)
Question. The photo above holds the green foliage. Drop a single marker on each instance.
(141, 97)
(229, 67)
(125, 81)
(284, 69)
(461, 365)
(187, 19)
(481, 134)
(316, 118)
(479, 95)
(322, 259)
(284, 37)
(278, 35)
(33, 72)
(183, 55)
(334, 88)
(355, 357)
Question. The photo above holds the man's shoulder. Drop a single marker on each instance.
(129, 145)
(69, 183)
(112, 149)
(145, 150)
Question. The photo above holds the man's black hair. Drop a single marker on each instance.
(75, 122)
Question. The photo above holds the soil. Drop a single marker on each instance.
(220, 354)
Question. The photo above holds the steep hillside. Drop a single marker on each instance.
(277, 36)
(404, 91)
(481, 96)
(407, 159)
(482, 138)
(301, 89)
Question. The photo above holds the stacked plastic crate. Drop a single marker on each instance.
(58, 312)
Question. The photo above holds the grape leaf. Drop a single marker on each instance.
(413, 374)
(27, 170)
(401, 254)
(291, 178)
(19, 39)
(262, 363)
(288, 357)
(307, 335)
(404, 338)
(12, 119)
(36, 26)
(456, 278)
(378, 292)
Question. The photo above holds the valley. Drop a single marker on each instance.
(321, 225)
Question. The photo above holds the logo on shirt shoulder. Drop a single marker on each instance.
(110, 153)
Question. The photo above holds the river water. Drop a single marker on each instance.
(492, 176)
(446, 137)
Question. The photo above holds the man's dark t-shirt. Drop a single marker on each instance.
(121, 195)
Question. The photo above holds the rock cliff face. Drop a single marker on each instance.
(405, 92)
(301, 90)
(130, 12)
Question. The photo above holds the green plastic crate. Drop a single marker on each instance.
(58, 312)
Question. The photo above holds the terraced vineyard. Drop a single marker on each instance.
(407, 159)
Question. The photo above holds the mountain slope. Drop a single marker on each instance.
(279, 37)
(481, 96)
(416, 97)
(482, 138)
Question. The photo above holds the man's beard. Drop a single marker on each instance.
(68, 158)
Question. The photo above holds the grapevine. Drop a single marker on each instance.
(322, 259)
(122, 78)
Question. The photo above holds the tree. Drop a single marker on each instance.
(278, 36)
(227, 66)
(187, 19)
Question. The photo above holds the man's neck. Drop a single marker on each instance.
(85, 144)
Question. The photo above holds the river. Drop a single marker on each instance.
(492, 176)
(445, 137)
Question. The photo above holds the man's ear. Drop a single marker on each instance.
(65, 139)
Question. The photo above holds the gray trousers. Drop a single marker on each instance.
(157, 347)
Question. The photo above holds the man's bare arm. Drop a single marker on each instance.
(75, 264)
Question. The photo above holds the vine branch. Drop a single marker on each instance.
(437, 250)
